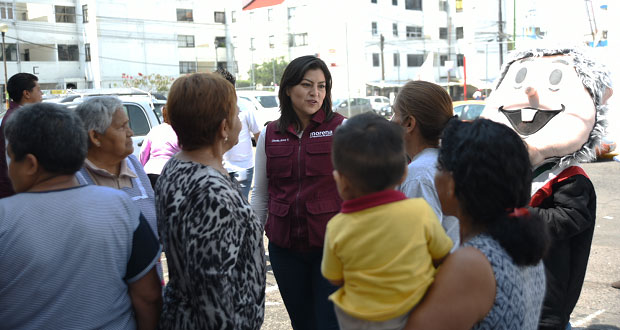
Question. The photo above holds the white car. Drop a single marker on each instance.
(142, 108)
(378, 102)
(267, 105)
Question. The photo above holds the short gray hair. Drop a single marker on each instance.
(96, 112)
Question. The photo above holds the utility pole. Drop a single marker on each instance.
(382, 61)
(500, 34)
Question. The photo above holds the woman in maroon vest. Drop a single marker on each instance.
(295, 192)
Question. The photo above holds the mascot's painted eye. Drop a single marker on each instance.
(554, 78)
(521, 75)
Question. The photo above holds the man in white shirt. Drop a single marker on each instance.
(239, 160)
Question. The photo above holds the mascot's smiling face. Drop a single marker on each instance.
(544, 100)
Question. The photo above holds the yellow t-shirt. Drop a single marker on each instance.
(385, 256)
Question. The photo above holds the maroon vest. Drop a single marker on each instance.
(302, 192)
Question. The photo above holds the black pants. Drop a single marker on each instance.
(303, 288)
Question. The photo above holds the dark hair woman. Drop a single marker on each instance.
(295, 193)
(496, 279)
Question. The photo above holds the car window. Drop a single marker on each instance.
(138, 122)
(158, 111)
(269, 101)
(364, 101)
(458, 110)
(472, 111)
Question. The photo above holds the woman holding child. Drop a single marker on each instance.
(423, 109)
(496, 279)
(295, 193)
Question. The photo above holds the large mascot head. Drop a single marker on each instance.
(556, 100)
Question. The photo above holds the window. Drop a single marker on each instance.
(373, 1)
(443, 59)
(459, 32)
(415, 60)
(395, 29)
(458, 6)
(443, 33)
(233, 16)
(187, 67)
(375, 59)
(87, 52)
(85, 14)
(272, 42)
(219, 17)
(396, 59)
(6, 10)
(413, 4)
(443, 5)
(459, 59)
(138, 121)
(270, 14)
(11, 52)
(68, 53)
(291, 12)
(300, 39)
(65, 14)
(374, 28)
(185, 15)
(26, 56)
(220, 42)
(414, 32)
(185, 41)
(394, 2)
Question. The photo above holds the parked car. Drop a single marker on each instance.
(143, 110)
(357, 104)
(386, 111)
(378, 102)
(468, 110)
(266, 103)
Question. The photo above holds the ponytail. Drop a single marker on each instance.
(523, 235)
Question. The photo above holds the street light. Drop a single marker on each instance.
(4, 28)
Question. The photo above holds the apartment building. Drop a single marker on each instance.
(93, 43)
(369, 45)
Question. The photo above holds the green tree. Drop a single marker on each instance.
(154, 82)
(264, 73)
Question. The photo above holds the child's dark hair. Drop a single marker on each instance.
(492, 175)
(370, 152)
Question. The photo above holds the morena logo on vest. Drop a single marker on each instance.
(321, 134)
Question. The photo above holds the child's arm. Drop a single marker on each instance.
(437, 262)
(331, 267)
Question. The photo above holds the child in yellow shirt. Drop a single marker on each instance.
(382, 249)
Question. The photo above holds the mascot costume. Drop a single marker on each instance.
(556, 100)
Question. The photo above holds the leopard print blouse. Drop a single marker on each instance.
(214, 247)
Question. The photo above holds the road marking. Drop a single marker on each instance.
(587, 319)
(608, 217)
(271, 288)
(272, 303)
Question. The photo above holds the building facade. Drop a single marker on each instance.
(94, 43)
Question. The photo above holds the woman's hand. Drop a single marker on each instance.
(461, 295)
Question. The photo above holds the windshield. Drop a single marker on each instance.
(269, 101)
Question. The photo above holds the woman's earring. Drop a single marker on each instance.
(226, 139)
